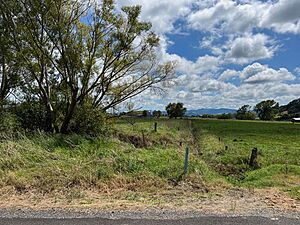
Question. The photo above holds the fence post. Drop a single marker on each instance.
(253, 158)
(155, 127)
(143, 136)
(186, 160)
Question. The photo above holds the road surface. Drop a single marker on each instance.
(191, 221)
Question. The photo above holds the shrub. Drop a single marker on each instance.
(31, 116)
(225, 116)
(8, 123)
(246, 116)
(90, 121)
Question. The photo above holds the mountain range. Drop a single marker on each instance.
(199, 112)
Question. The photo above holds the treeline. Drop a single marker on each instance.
(265, 110)
(65, 63)
(144, 113)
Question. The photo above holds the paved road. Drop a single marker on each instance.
(191, 221)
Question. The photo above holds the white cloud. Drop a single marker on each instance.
(195, 83)
(229, 98)
(242, 16)
(270, 75)
(233, 32)
(209, 86)
(283, 16)
(249, 48)
(228, 74)
(297, 70)
(161, 13)
(204, 64)
(257, 73)
(228, 16)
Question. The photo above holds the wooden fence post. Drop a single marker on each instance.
(155, 127)
(143, 136)
(253, 158)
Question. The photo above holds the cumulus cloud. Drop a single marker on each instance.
(195, 83)
(243, 16)
(204, 64)
(229, 98)
(161, 13)
(283, 16)
(227, 15)
(210, 86)
(257, 73)
(228, 74)
(249, 48)
(297, 70)
(234, 33)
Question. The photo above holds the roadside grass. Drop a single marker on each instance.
(68, 163)
(48, 163)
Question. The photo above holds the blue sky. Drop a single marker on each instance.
(228, 52)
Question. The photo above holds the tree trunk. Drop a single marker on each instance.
(49, 125)
(70, 112)
(3, 87)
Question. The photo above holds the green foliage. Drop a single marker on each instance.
(208, 116)
(31, 115)
(225, 116)
(8, 123)
(157, 113)
(245, 113)
(145, 113)
(266, 110)
(292, 107)
(54, 53)
(175, 110)
(10, 60)
(89, 120)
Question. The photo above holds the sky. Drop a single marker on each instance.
(228, 53)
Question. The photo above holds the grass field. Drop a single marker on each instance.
(278, 145)
(134, 157)
(225, 147)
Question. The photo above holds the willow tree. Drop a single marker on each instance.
(9, 62)
(79, 50)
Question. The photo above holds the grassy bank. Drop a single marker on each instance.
(49, 163)
(136, 158)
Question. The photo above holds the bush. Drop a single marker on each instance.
(31, 116)
(246, 116)
(225, 116)
(8, 123)
(208, 116)
(90, 121)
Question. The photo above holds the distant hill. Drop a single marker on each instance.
(200, 112)
(291, 108)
